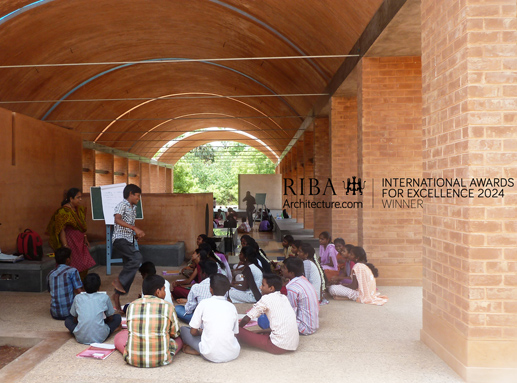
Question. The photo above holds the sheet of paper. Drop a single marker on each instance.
(112, 195)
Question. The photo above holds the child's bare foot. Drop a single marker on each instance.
(340, 298)
(118, 286)
(189, 350)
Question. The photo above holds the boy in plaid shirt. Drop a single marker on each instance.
(151, 326)
(62, 283)
(124, 234)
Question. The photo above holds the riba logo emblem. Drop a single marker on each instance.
(354, 186)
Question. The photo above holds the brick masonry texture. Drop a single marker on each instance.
(469, 72)
(390, 146)
(344, 142)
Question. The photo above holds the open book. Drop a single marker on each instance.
(97, 351)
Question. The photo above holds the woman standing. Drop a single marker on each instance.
(67, 228)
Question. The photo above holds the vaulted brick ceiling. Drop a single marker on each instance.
(99, 31)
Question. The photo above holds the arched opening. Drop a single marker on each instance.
(215, 167)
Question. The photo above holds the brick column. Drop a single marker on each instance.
(145, 177)
(169, 180)
(300, 175)
(390, 137)
(88, 169)
(161, 179)
(308, 159)
(469, 70)
(103, 168)
(322, 216)
(120, 170)
(344, 142)
(294, 175)
(288, 196)
(133, 176)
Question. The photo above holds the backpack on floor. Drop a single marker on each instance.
(29, 244)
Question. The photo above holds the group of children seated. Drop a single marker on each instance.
(286, 297)
(342, 269)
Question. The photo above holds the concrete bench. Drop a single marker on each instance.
(290, 226)
(159, 254)
(27, 276)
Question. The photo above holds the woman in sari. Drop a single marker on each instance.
(67, 228)
(363, 288)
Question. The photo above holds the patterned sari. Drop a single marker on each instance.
(74, 224)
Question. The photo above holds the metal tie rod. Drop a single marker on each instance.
(174, 61)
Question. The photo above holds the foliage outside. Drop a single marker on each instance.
(215, 168)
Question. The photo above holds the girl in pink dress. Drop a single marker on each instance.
(328, 255)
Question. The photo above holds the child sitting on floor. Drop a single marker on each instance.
(302, 296)
(62, 283)
(295, 247)
(363, 288)
(328, 255)
(244, 227)
(198, 292)
(213, 325)
(287, 243)
(282, 319)
(148, 268)
(86, 321)
(312, 269)
(345, 269)
(152, 335)
(181, 287)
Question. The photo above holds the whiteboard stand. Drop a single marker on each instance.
(109, 249)
(260, 199)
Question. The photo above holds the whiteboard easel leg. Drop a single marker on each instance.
(109, 235)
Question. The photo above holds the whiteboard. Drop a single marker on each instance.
(112, 195)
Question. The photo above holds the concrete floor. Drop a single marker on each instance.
(355, 342)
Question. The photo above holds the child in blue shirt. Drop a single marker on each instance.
(86, 321)
(62, 283)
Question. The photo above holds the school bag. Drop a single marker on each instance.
(29, 244)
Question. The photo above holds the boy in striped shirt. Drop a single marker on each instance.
(284, 332)
(302, 296)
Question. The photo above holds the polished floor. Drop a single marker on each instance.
(355, 342)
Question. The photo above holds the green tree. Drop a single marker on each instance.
(184, 182)
(216, 168)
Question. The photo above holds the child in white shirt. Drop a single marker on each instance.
(213, 326)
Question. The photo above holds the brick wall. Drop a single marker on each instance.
(104, 162)
(322, 217)
(120, 166)
(391, 146)
(88, 163)
(134, 172)
(145, 177)
(469, 65)
(293, 156)
(308, 159)
(300, 175)
(344, 142)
